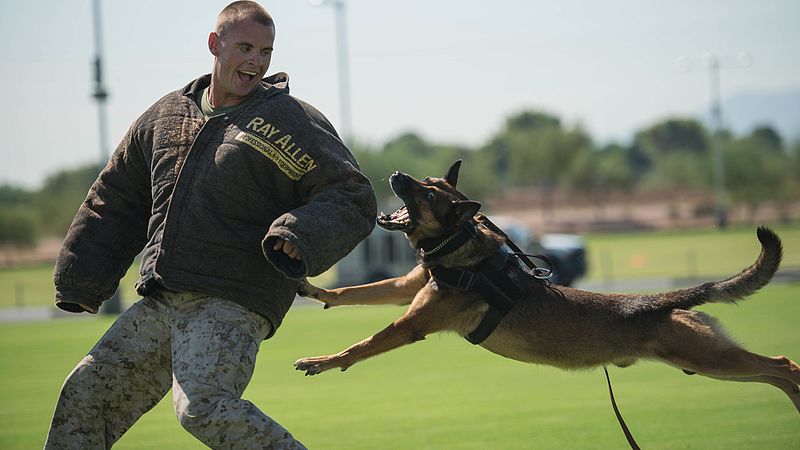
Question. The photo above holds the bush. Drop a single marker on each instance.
(18, 227)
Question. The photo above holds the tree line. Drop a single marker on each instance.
(532, 150)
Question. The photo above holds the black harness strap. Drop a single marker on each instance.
(491, 281)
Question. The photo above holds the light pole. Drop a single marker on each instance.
(100, 94)
(112, 305)
(343, 66)
(714, 63)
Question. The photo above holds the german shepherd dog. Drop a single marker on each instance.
(555, 325)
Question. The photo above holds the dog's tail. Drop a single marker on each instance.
(734, 288)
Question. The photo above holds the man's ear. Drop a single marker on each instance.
(452, 173)
(462, 211)
(213, 43)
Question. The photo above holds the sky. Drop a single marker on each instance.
(450, 70)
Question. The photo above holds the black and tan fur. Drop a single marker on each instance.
(555, 325)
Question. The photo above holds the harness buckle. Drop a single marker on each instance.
(465, 280)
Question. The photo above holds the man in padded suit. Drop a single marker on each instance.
(236, 191)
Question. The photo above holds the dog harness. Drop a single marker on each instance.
(491, 278)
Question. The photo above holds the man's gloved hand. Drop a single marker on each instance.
(288, 248)
(286, 258)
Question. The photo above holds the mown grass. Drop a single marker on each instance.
(442, 393)
(678, 254)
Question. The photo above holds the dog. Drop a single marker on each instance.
(548, 324)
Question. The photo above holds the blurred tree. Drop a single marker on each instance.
(18, 227)
(61, 195)
(614, 170)
(673, 135)
(794, 156)
(14, 196)
(679, 171)
(672, 154)
(533, 149)
(767, 138)
(498, 152)
(666, 137)
(410, 153)
(757, 173)
(531, 120)
(18, 222)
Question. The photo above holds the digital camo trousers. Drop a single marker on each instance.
(204, 348)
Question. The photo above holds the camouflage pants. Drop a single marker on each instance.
(204, 348)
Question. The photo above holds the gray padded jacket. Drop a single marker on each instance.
(206, 200)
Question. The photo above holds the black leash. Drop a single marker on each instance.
(628, 435)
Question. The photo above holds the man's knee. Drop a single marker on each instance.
(76, 421)
(198, 405)
(80, 385)
(194, 417)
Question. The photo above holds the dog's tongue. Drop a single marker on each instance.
(398, 220)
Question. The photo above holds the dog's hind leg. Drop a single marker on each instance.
(792, 390)
(695, 342)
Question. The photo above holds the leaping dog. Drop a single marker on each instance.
(513, 314)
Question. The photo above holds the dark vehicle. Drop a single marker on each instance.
(386, 254)
(383, 254)
(566, 252)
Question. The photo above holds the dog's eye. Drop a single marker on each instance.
(430, 196)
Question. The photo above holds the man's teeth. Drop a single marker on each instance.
(252, 74)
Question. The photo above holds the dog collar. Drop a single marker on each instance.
(442, 246)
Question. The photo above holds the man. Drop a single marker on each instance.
(235, 190)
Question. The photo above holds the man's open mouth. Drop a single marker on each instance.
(399, 220)
(247, 75)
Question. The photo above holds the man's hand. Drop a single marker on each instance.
(288, 248)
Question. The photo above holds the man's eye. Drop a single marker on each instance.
(430, 196)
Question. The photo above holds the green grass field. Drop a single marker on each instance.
(679, 254)
(703, 253)
(442, 393)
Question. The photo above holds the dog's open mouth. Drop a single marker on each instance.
(399, 220)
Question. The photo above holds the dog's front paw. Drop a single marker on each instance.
(313, 366)
(307, 289)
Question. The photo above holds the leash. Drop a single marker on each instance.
(539, 273)
(628, 435)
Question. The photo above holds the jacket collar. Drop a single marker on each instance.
(277, 83)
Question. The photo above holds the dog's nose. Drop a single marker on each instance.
(399, 182)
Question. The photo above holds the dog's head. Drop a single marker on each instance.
(433, 207)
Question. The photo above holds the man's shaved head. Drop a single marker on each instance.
(240, 11)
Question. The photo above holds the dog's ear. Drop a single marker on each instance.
(452, 173)
(462, 211)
